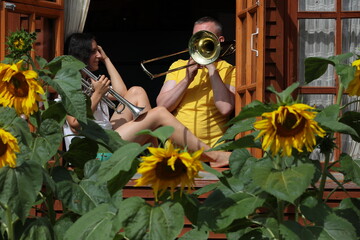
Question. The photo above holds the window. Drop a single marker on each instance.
(325, 28)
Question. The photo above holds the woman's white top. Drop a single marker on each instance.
(101, 116)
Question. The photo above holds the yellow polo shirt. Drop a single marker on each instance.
(197, 110)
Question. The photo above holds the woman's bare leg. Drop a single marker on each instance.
(138, 97)
(158, 117)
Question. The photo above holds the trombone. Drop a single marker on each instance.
(204, 47)
(135, 110)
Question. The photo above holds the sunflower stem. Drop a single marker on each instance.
(346, 105)
(323, 176)
(10, 228)
(340, 93)
(280, 214)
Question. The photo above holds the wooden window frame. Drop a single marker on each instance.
(292, 45)
(58, 4)
(296, 15)
(34, 8)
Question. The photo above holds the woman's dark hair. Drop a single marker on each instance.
(79, 45)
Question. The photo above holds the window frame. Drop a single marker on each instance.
(35, 8)
(292, 45)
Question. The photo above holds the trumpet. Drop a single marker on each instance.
(135, 110)
(204, 47)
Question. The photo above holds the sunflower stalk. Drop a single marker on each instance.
(9, 227)
(323, 176)
(348, 104)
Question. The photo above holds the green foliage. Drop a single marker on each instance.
(250, 200)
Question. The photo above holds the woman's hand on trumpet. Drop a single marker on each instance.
(102, 86)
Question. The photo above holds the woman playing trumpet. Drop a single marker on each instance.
(84, 47)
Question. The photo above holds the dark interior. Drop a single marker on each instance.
(131, 31)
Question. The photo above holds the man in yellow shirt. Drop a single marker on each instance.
(201, 97)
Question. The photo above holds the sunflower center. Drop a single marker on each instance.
(19, 87)
(163, 171)
(3, 147)
(19, 44)
(288, 128)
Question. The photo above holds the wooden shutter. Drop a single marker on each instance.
(250, 52)
(250, 62)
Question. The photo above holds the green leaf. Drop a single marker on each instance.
(195, 234)
(122, 178)
(163, 133)
(315, 67)
(55, 111)
(352, 203)
(7, 116)
(96, 224)
(67, 82)
(295, 231)
(39, 229)
(237, 161)
(190, 205)
(247, 141)
(328, 225)
(81, 150)
(328, 118)
(19, 187)
(346, 73)
(41, 61)
(108, 138)
(285, 96)
(82, 197)
(352, 119)
(134, 215)
(341, 57)
(253, 109)
(314, 210)
(329, 113)
(334, 228)
(120, 162)
(249, 233)
(349, 213)
(350, 168)
(61, 226)
(219, 211)
(64, 61)
(166, 221)
(236, 128)
(21, 129)
(288, 184)
(141, 221)
(48, 141)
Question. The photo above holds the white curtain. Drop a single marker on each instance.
(75, 15)
(317, 39)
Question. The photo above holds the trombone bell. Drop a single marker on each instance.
(204, 47)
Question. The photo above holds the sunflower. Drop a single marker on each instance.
(354, 85)
(19, 89)
(8, 147)
(19, 44)
(288, 127)
(168, 167)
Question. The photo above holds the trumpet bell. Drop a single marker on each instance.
(204, 47)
